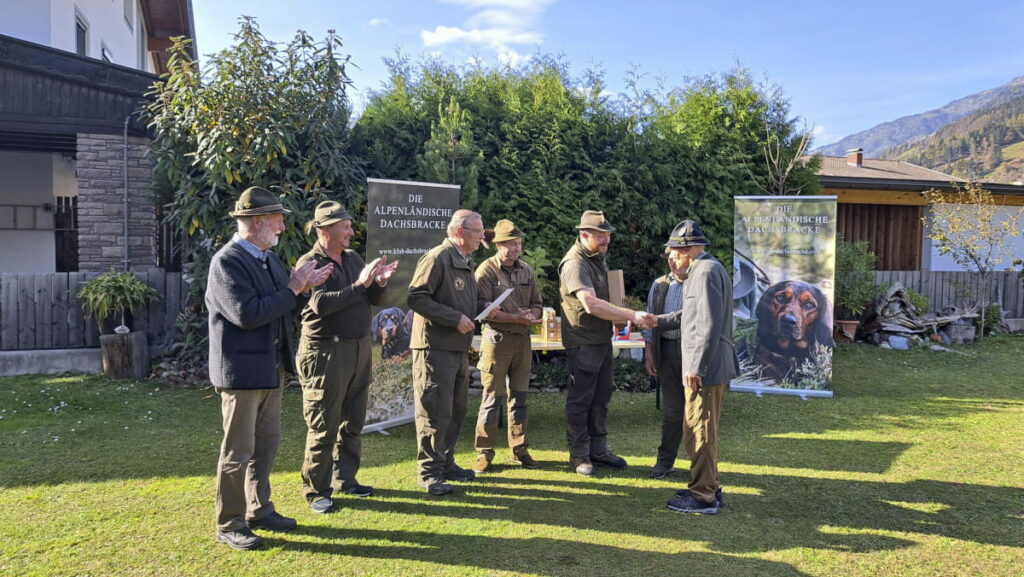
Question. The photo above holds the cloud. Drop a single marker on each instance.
(494, 37)
(374, 22)
(821, 136)
(496, 24)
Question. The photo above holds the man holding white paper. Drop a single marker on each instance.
(505, 355)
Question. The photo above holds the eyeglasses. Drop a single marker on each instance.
(474, 230)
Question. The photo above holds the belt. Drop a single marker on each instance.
(672, 335)
(334, 339)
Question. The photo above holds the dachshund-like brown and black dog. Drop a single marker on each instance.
(391, 328)
(792, 316)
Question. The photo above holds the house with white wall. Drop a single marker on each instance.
(75, 180)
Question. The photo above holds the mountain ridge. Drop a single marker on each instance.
(875, 140)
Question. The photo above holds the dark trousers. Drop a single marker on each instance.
(586, 402)
(335, 377)
(441, 391)
(673, 403)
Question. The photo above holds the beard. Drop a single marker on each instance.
(267, 238)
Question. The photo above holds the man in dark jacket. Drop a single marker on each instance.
(443, 295)
(334, 358)
(251, 299)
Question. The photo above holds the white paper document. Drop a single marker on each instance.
(497, 303)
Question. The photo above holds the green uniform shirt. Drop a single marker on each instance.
(580, 269)
(441, 291)
(492, 279)
(338, 307)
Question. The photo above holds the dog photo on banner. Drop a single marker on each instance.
(783, 278)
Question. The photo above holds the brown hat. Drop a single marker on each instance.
(687, 233)
(256, 201)
(329, 212)
(506, 230)
(594, 220)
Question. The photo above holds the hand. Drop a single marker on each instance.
(466, 325)
(319, 276)
(385, 270)
(529, 318)
(649, 362)
(693, 380)
(643, 320)
(300, 277)
(369, 271)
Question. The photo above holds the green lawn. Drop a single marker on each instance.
(914, 468)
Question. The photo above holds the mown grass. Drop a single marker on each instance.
(914, 468)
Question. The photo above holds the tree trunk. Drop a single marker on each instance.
(125, 356)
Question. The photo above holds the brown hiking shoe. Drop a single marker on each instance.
(482, 463)
(525, 460)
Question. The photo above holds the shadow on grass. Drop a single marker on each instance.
(777, 512)
(535, 556)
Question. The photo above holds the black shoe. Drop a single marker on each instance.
(243, 539)
(457, 473)
(581, 466)
(718, 496)
(358, 490)
(525, 460)
(608, 459)
(435, 487)
(273, 522)
(321, 505)
(660, 471)
(688, 504)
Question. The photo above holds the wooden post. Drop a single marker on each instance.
(125, 356)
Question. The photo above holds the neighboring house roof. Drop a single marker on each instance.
(853, 172)
(840, 167)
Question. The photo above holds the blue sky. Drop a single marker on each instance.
(845, 66)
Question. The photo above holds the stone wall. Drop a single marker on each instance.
(100, 173)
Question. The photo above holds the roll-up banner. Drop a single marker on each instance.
(783, 278)
(404, 220)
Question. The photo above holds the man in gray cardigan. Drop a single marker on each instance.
(708, 361)
(251, 299)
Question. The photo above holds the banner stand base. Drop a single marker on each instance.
(760, 390)
(381, 426)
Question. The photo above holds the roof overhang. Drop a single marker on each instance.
(166, 19)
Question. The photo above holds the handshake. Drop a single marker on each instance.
(644, 320)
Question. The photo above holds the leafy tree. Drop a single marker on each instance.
(259, 113)
(450, 155)
(967, 225)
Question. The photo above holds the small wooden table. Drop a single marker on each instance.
(537, 344)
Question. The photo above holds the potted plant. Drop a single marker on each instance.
(855, 284)
(114, 292)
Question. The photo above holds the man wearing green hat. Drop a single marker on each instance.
(708, 361)
(587, 317)
(334, 357)
(251, 299)
(505, 355)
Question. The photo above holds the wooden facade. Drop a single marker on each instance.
(895, 233)
(48, 91)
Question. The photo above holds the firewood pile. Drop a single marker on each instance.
(894, 314)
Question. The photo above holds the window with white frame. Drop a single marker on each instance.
(81, 36)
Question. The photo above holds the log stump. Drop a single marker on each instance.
(125, 356)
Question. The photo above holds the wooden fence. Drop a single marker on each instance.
(41, 311)
(951, 289)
